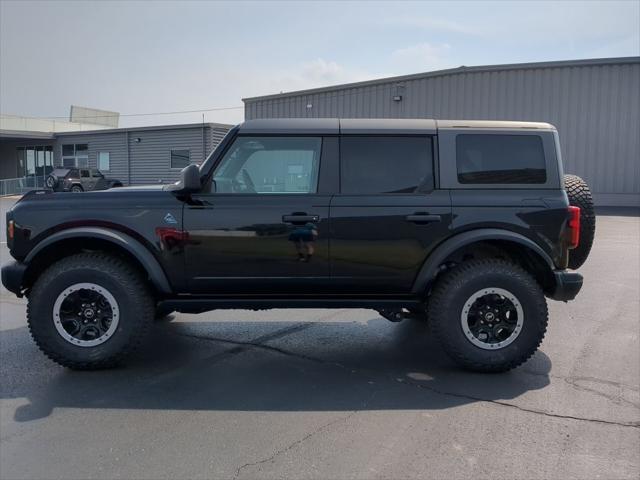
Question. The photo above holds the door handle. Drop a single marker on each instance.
(300, 218)
(423, 218)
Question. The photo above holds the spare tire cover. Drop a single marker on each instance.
(580, 196)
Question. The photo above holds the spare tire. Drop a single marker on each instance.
(580, 196)
(51, 181)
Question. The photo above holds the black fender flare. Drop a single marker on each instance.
(127, 242)
(430, 267)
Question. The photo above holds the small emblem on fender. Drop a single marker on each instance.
(168, 218)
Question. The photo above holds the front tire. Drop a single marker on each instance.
(489, 315)
(89, 311)
(77, 189)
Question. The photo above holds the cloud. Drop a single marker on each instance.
(432, 24)
(315, 73)
(225, 84)
(627, 47)
(422, 57)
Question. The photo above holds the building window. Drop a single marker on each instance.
(103, 161)
(75, 155)
(180, 158)
(37, 160)
(373, 165)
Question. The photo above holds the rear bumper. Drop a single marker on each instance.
(12, 276)
(568, 284)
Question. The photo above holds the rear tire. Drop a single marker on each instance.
(489, 315)
(89, 311)
(580, 196)
(77, 189)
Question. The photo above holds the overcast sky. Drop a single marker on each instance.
(140, 57)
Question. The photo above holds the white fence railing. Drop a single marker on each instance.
(18, 186)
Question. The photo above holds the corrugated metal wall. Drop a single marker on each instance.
(114, 143)
(146, 161)
(596, 108)
(151, 157)
(214, 137)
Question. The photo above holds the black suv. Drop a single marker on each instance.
(464, 224)
(79, 180)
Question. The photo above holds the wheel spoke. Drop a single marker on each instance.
(492, 318)
(87, 314)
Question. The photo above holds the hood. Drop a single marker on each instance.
(135, 188)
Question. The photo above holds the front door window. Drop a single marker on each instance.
(270, 165)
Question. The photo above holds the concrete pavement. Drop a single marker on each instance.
(338, 394)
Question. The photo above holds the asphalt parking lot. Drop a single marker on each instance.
(338, 394)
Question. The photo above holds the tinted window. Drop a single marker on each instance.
(60, 172)
(385, 164)
(270, 165)
(500, 159)
(84, 173)
(179, 158)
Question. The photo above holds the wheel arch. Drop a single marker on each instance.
(67, 242)
(513, 245)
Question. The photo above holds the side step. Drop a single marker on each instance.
(198, 305)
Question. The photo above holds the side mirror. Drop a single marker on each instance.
(189, 180)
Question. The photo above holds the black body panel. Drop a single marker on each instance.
(379, 243)
(257, 244)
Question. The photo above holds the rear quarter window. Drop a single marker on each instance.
(500, 159)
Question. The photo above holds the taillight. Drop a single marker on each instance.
(574, 227)
(10, 229)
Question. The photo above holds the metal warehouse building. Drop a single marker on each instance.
(595, 104)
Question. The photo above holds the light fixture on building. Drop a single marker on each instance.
(397, 92)
(138, 139)
(309, 105)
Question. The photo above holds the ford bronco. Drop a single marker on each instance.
(467, 225)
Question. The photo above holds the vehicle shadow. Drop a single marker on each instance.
(265, 366)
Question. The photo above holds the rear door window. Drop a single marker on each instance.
(385, 164)
(500, 159)
(84, 173)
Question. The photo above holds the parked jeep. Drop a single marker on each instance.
(79, 180)
(464, 224)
